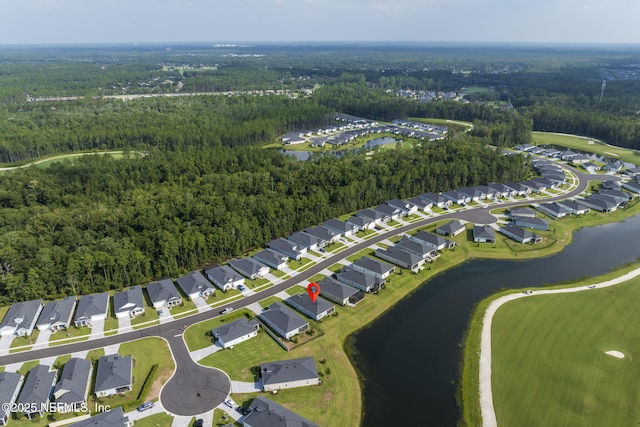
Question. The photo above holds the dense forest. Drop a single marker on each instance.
(196, 186)
(102, 224)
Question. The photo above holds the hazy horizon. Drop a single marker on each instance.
(46, 22)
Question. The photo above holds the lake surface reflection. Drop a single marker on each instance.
(410, 356)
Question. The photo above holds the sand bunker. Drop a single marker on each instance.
(614, 353)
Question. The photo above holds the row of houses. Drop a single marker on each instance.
(39, 391)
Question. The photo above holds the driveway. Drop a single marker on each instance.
(124, 324)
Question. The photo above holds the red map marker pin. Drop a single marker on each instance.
(313, 290)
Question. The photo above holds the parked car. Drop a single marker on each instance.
(227, 310)
(199, 422)
(241, 288)
(229, 403)
(145, 406)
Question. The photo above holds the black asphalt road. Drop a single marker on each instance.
(212, 384)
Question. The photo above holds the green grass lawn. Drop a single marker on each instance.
(279, 274)
(268, 301)
(569, 141)
(295, 265)
(188, 307)
(157, 420)
(357, 256)
(334, 247)
(20, 344)
(549, 353)
(150, 314)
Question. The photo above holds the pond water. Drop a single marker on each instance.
(410, 356)
(369, 145)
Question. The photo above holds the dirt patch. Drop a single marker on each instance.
(156, 387)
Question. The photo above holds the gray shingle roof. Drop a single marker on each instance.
(194, 282)
(234, 330)
(57, 311)
(37, 387)
(284, 246)
(394, 253)
(370, 214)
(321, 232)
(338, 226)
(247, 266)
(450, 227)
(483, 232)
(127, 300)
(414, 246)
(304, 302)
(114, 371)
(72, 386)
(223, 274)
(288, 370)
(22, 314)
(282, 317)
(9, 382)
(112, 418)
(349, 275)
(432, 239)
(267, 413)
(270, 257)
(162, 290)
(92, 305)
(373, 265)
(330, 286)
(305, 239)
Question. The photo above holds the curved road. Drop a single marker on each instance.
(213, 385)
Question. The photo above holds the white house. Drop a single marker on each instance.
(289, 374)
(235, 332)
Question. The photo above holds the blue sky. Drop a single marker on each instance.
(118, 21)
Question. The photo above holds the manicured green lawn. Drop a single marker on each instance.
(334, 247)
(357, 256)
(20, 344)
(295, 265)
(150, 314)
(157, 420)
(188, 307)
(549, 363)
(569, 141)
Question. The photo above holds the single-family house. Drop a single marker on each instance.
(574, 208)
(436, 200)
(535, 223)
(372, 215)
(340, 293)
(36, 391)
(406, 207)
(378, 269)
(501, 190)
(344, 229)
(272, 258)
(91, 308)
(618, 195)
(525, 147)
(551, 152)
(519, 188)
(129, 302)
(632, 186)
(554, 210)
(10, 384)
(362, 223)
(289, 374)
(422, 205)
(456, 197)
(292, 138)
(388, 213)
(488, 192)
(323, 234)
(113, 375)
(471, 193)
(194, 285)
(632, 172)
(522, 212)
(610, 185)
(264, 411)
(599, 204)
(451, 228)
(288, 248)
(249, 267)
(224, 277)
(283, 320)
(114, 417)
(547, 183)
(567, 155)
(613, 166)
(56, 315)
(359, 280)
(401, 258)
(427, 253)
(21, 318)
(306, 240)
(483, 234)
(315, 310)
(438, 243)
(519, 234)
(579, 159)
(556, 179)
(534, 186)
(164, 293)
(72, 389)
(230, 334)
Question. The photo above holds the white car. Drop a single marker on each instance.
(529, 292)
(227, 310)
(229, 403)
